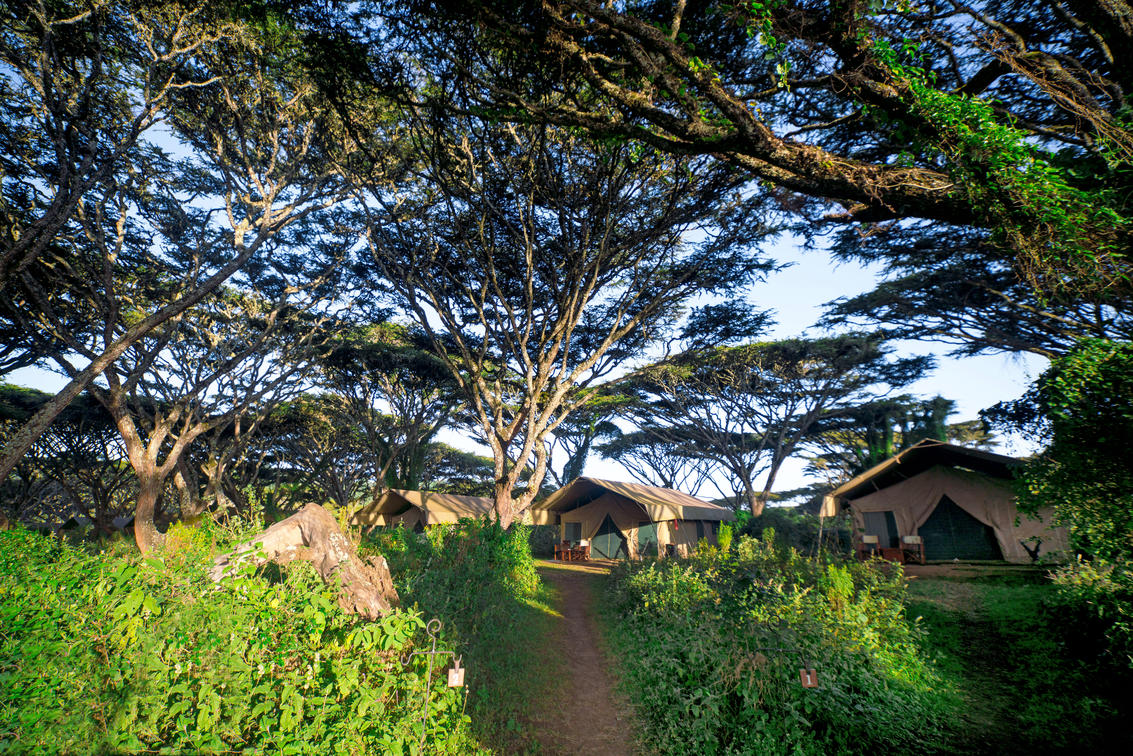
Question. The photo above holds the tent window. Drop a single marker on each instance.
(699, 530)
(883, 525)
(572, 531)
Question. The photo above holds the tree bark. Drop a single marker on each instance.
(312, 534)
(145, 528)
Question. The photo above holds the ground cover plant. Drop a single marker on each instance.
(480, 581)
(106, 652)
(711, 650)
(1031, 677)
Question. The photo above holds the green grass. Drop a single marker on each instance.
(1026, 682)
(515, 672)
(480, 581)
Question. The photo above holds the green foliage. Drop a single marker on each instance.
(724, 537)
(791, 527)
(106, 652)
(712, 648)
(1066, 238)
(480, 580)
(1097, 598)
(1085, 403)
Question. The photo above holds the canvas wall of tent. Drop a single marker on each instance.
(958, 500)
(630, 520)
(418, 509)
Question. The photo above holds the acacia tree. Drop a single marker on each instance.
(387, 382)
(998, 115)
(225, 360)
(748, 408)
(315, 455)
(947, 284)
(656, 457)
(860, 437)
(575, 436)
(80, 456)
(253, 195)
(538, 261)
(83, 84)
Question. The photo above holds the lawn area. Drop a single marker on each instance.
(1027, 680)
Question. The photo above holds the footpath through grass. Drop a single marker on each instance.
(1027, 679)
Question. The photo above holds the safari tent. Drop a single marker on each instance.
(629, 520)
(958, 500)
(418, 509)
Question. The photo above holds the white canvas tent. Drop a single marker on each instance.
(629, 520)
(958, 500)
(420, 508)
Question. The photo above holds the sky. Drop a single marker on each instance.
(797, 294)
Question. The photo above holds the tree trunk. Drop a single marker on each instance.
(185, 481)
(145, 528)
(505, 504)
(313, 535)
(757, 502)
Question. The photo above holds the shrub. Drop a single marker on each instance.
(724, 537)
(798, 529)
(480, 580)
(107, 652)
(1097, 600)
(711, 649)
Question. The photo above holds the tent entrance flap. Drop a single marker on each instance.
(608, 542)
(951, 533)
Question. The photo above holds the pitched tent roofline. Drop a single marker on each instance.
(437, 507)
(660, 504)
(913, 461)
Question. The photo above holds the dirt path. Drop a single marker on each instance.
(584, 715)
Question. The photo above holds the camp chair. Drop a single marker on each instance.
(582, 553)
(868, 546)
(913, 548)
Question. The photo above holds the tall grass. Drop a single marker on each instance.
(480, 581)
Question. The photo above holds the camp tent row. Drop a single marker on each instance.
(958, 500)
(619, 520)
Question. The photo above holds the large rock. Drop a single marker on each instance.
(312, 534)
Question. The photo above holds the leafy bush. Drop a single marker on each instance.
(480, 580)
(1097, 600)
(724, 537)
(106, 652)
(797, 529)
(711, 651)
(1083, 405)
